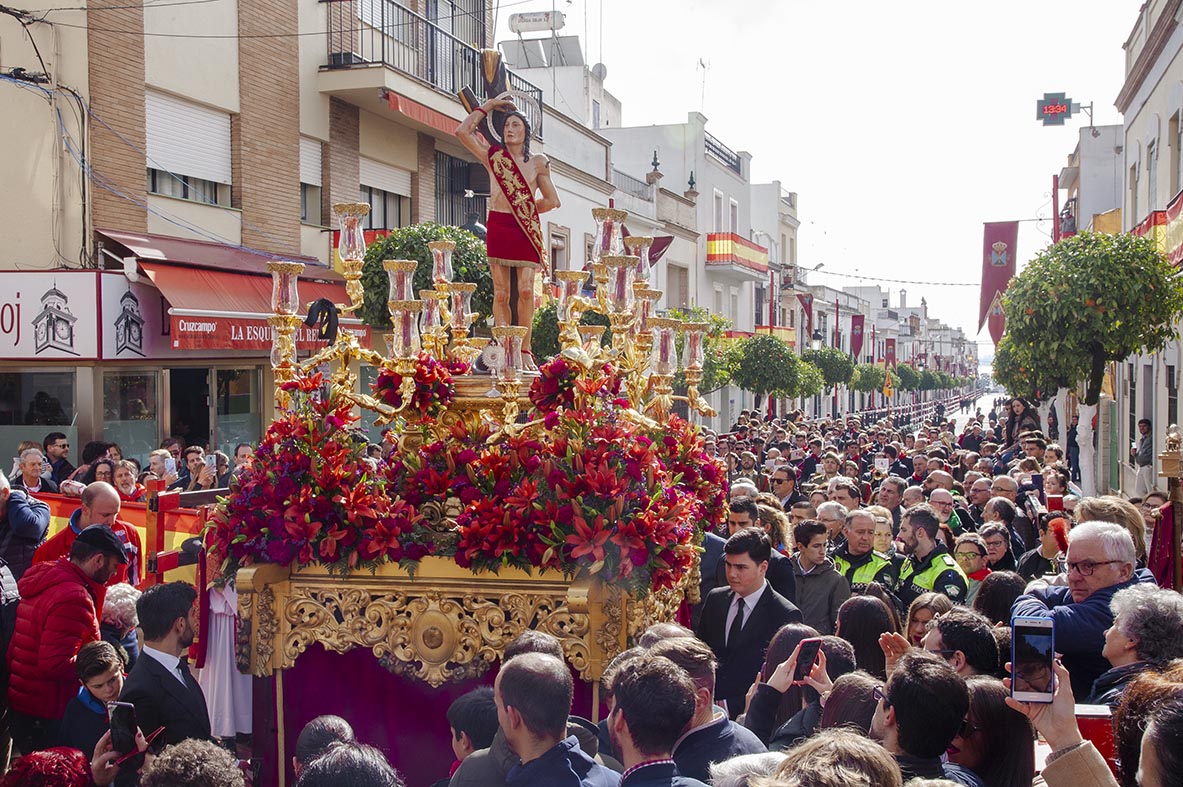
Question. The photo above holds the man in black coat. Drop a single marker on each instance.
(739, 620)
(160, 685)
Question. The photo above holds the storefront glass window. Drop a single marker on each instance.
(130, 414)
(238, 410)
(33, 404)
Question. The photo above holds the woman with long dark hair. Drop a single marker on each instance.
(767, 708)
(861, 619)
(995, 742)
(1023, 418)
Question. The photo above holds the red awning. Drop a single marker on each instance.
(206, 254)
(220, 310)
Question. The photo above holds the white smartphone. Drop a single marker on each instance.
(170, 465)
(1033, 649)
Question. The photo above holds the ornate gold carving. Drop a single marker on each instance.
(444, 625)
(433, 635)
(266, 626)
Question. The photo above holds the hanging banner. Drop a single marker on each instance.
(888, 387)
(889, 353)
(856, 335)
(999, 243)
(996, 320)
(807, 305)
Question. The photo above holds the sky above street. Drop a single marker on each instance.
(901, 126)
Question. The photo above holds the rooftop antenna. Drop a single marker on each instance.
(703, 98)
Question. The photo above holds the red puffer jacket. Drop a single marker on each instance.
(56, 616)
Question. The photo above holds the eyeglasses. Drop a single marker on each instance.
(1087, 567)
(780, 480)
(968, 555)
(60, 445)
(996, 544)
(967, 729)
(880, 695)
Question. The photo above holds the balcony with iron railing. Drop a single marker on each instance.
(365, 33)
(725, 155)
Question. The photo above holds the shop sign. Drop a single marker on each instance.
(49, 316)
(133, 319)
(216, 332)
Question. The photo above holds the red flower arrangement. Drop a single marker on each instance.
(311, 496)
(585, 489)
(559, 381)
(592, 492)
(434, 389)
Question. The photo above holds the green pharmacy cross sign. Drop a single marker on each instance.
(1054, 108)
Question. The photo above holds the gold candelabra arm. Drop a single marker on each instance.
(663, 400)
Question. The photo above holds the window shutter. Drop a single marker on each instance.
(186, 138)
(377, 175)
(310, 161)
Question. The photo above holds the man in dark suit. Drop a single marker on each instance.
(160, 685)
(739, 620)
(745, 514)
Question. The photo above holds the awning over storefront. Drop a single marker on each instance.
(220, 310)
(206, 254)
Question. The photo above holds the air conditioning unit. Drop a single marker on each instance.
(345, 59)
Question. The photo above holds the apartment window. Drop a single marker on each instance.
(792, 250)
(1134, 216)
(1152, 175)
(595, 113)
(560, 247)
(719, 301)
(719, 226)
(188, 149)
(734, 217)
(310, 204)
(386, 209)
(454, 178)
(1176, 137)
(310, 182)
(761, 318)
(166, 184)
(677, 293)
(589, 243)
(734, 313)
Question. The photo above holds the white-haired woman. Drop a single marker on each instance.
(1147, 632)
(120, 621)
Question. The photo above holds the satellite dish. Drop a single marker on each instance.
(600, 71)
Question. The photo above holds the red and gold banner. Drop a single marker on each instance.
(1166, 228)
(857, 323)
(889, 353)
(999, 244)
(807, 305)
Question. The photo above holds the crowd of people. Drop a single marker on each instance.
(853, 628)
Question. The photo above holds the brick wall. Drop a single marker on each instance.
(339, 165)
(116, 76)
(423, 182)
(266, 147)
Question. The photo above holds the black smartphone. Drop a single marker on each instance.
(1033, 648)
(1037, 482)
(123, 726)
(805, 658)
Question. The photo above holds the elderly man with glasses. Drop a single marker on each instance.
(1101, 561)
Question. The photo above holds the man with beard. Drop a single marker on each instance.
(58, 614)
(929, 566)
(160, 685)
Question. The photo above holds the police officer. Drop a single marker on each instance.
(929, 566)
(857, 560)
